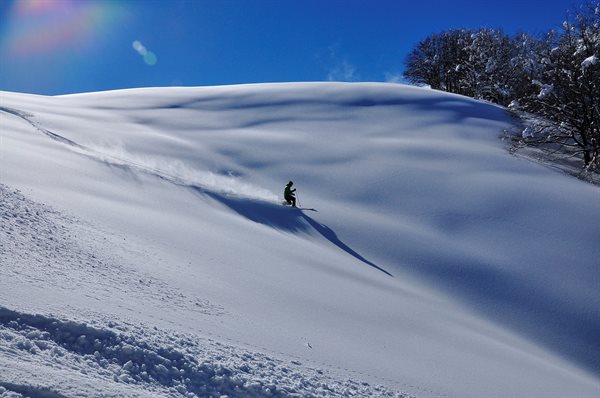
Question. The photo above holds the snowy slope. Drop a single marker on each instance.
(145, 252)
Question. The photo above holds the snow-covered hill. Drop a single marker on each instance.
(145, 251)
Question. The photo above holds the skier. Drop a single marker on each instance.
(288, 194)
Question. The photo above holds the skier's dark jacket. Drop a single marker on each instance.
(288, 192)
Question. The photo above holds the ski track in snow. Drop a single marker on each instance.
(47, 248)
(231, 198)
(221, 184)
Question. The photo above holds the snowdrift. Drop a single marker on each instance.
(145, 251)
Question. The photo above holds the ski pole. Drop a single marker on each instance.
(298, 200)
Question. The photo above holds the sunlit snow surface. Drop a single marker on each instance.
(145, 251)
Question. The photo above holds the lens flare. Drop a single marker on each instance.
(148, 56)
(42, 27)
(139, 47)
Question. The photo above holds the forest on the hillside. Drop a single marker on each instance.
(551, 80)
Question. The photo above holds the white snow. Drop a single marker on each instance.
(589, 61)
(545, 90)
(145, 252)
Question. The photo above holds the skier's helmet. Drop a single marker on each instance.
(289, 184)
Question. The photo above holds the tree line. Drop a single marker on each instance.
(555, 76)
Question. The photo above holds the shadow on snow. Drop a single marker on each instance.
(284, 219)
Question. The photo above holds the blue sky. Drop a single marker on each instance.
(67, 46)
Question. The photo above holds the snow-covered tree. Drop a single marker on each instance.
(424, 63)
(468, 62)
(529, 55)
(436, 61)
(568, 90)
(487, 74)
(556, 76)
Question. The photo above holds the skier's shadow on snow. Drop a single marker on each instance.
(284, 219)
